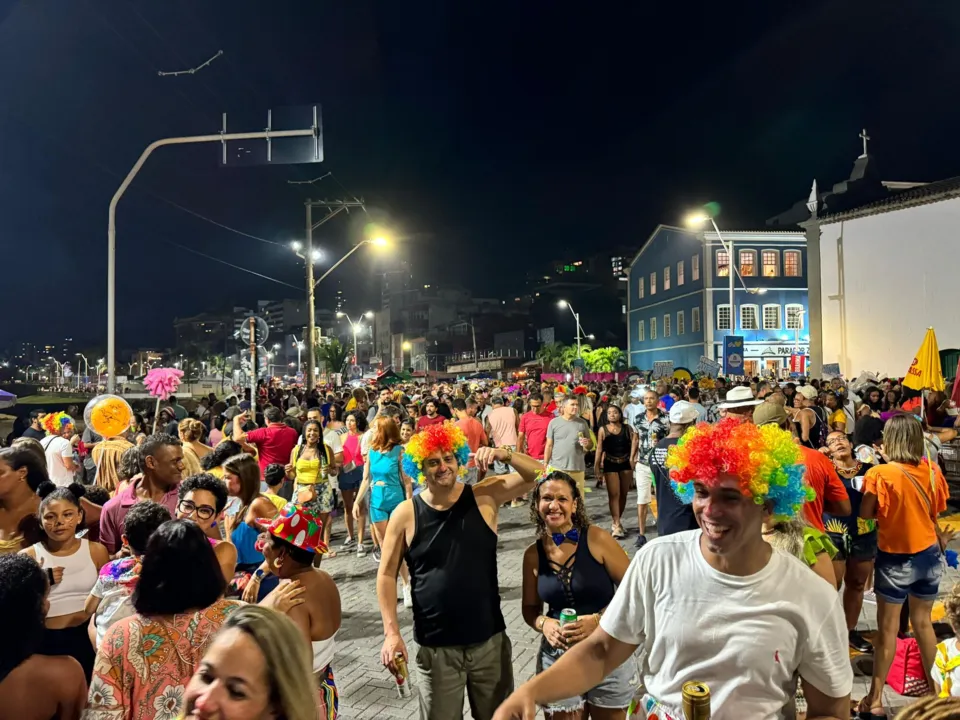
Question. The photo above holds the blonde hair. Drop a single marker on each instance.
(287, 656)
(190, 430)
(788, 536)
(903, 439)
(951, 608)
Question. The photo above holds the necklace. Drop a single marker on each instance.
(849, 470)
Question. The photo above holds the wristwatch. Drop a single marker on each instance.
(509, 453)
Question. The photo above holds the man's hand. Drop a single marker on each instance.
(392, 645)
(519, 706)
(486, 455)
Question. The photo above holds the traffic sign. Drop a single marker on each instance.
(273, 150)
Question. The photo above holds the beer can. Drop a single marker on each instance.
(696, 701)
(567, 616)
(402, 677)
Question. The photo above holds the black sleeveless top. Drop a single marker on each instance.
(582, 583)
(617, 445)
(816, 432)
(453, 574)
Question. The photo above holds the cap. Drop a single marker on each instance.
(244, 404)
(740, 396)
(769, 413)
(297, 526)
(807, 391)
(683, 413)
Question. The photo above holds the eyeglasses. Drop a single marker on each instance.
(204, 512)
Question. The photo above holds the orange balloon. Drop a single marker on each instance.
(110, 416)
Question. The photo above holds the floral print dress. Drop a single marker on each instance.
(144, 664)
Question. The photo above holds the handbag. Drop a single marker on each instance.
(906, 675)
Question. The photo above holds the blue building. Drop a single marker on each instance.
(678, 306)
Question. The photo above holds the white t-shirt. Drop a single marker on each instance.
(947, 654)
(631, 411)
(745, 637)
(55, 448)
(332, 438)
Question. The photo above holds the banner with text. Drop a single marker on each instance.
(733, 355)
(708, 367)
(663, 368)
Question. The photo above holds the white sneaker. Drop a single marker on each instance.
(869, 596)
(407, 597)
(361, 550)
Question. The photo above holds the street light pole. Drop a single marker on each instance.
(730, 272)
(311, 309)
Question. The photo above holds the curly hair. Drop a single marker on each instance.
(951, 608)
(932, 708)
(580, 519)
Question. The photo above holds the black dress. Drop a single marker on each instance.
(616, 449)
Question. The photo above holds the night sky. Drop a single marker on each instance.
(495, 135)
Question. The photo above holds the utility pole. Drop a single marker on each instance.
(476, 359)
(334, 208)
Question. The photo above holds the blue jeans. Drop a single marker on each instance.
(898, 575)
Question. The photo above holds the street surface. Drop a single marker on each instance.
(367, 690)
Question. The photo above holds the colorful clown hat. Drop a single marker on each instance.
(297, 526)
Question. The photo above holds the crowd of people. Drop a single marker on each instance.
(175, 570)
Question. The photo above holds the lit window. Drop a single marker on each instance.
(640, 288)
(666, 326)
(723, 263)
(681, 322)
(791, 263)
(695, 267)
(640, 331)
(748, 263)
(794, 317)
(771, 317)
(723, 317)
(695, 319)
(666, 278)
(653, 283)
(748, 317)
(653, 328)
(771, 263)
(680, 273)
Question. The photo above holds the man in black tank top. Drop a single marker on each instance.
(448, 537)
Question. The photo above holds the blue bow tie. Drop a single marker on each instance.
(573, 535)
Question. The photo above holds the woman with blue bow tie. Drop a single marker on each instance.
(572, 565)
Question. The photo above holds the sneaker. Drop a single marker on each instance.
(641, 541)
(376, 555)
(859, 643)
(348, 543)
(407, 597)
(618, 532)
(869, 596)
(517, 503)
(361, 550)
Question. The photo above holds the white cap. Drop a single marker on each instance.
(682, 413)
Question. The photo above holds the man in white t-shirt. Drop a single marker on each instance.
(58, 448)
(717, 605)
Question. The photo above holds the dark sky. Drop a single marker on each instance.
(495, 134)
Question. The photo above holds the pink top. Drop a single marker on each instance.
(503, 426)
(351, 450)
(116, 509)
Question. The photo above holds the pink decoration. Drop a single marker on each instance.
(162, 382)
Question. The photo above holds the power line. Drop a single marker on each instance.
(229, 264)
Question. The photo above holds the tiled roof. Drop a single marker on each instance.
(921, 195)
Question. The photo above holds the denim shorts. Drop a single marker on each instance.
(918, 575)
(854, 547)
(615, 691)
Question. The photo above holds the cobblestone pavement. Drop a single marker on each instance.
(367, 690)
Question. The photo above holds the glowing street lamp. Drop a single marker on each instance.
(576, 317)
(356, 327)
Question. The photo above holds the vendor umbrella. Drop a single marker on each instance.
(925, 372)
(7, 400)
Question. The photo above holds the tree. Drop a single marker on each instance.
(605, 359)
(550, 356)
(333, 355)
(570, 354)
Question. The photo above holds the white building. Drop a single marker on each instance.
(888, 271)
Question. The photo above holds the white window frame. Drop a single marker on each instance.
(799, 256)
(653, 283)
(796, 308)
(681, 322)
(740, 255)
(720, 309)
(653, 328)
(666, 278)
(756, 317)
(776, 254)
(666, 325)
(640, 288)
(641, 331)
(695, 267)
(680, 277)
(695, 319)
(779, 322)
(717, 265)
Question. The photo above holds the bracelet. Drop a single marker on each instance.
(540, 622)
(509, 453)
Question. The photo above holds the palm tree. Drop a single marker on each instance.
(550, 356)
(570, 354)
(333, 355)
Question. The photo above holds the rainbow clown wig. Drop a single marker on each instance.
(54, 423)
(767, 461)
(443, 437)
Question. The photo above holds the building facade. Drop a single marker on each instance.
(678, 305)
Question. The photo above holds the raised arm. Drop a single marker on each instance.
(501, 489)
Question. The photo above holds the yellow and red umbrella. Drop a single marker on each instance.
(925, 372)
